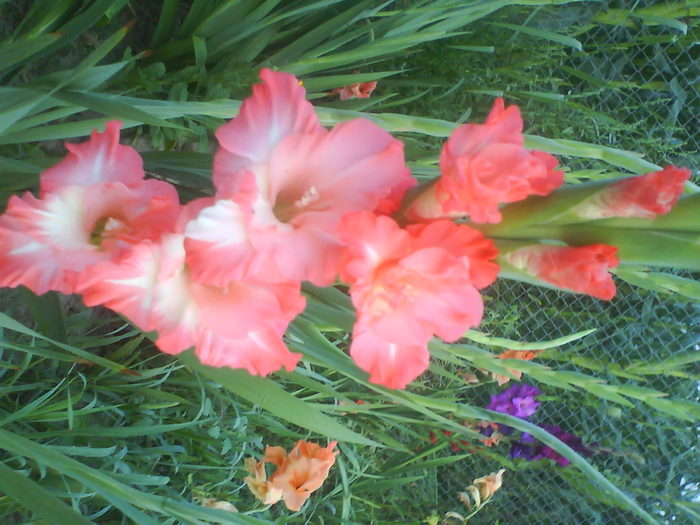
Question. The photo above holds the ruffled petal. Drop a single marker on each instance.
(239, 325)
(49, 241)
(277, 109)
(218, 244)
(406, 287)
(389, 364)
(464, 243)
(126, 284)
(100, 159)
(43, 244)
(483, 166)
(371, 240)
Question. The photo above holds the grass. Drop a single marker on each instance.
(96, 422)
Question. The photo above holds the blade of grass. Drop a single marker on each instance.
(270, 396)
(37, 499)
(541, 33)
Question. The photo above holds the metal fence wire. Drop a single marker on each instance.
(639, 69)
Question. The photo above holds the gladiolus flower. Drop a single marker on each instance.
(518, 401)
(298, 473)
(94, 204)
(531, 449)
(488, 485)
(407, 285)
(283, 183)
(524, 355)
(582, 269)
(239, 325)
(484, 165)
(359, 90)
(644, 196)
(258, 484)
(481, 490)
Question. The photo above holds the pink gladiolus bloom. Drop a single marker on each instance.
(582, 269)
(283, 183)
(484, 165)
(644, 197)
(93, 205)
(239, 325)
(408, 285)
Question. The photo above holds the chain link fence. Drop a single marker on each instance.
(639, 72)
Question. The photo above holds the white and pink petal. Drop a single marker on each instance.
(100, 159)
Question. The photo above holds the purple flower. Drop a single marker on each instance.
(574, 442)
(521, 450)
(517, 400)
(531, 449)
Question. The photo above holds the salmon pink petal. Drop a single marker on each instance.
(644, 196)
(261, 313)
(301, 472)
(503, 125)
(371, 240)
(483, 166)
(351, 168)
(393, 201)
(428, 290)
(462, 242)
(71, 229)
(277, 109)
(43, 242)
(115, 214)
(100, 159)
(218, 244)
(405, 290)
(389, 364)
(239, 325)
(475, 185)
(582, 269)
(289, 230)
(126, 284)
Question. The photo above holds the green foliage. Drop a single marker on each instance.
(98, 426)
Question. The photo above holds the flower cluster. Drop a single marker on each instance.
(298, 473)
(297, 202)
(519, 401)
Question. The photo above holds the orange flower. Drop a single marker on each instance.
(488, 485)
(524, 355)
(258, 484)
(298, 473)
(359, 90)
(478, 493)
(494, 438)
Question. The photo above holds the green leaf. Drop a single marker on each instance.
(166, 23)
(479, 337)
(37, 499)
(10, 324)
(123, 497)
(47, 311)
(270, 396)
(113, 107)
(13, 52)
(660, 282)
(541, 33)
